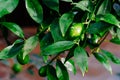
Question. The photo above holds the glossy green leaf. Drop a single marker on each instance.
(35, 10)
(108, 18)
(61, 70)
(57, 47)
(115, 40)
(81, 59)
(98, 27)
(29, 45)
(55, 31)
(12, 50)
(116, 7)
(103, 60)
(51, 73)
(84, 5)
(110, 56)
(70, 66)
(67, 0)
(52, 4)
(105, 7)
(13, 28)
(65, 21)
(7, 6)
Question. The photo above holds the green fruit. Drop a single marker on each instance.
(17, 68)
(76, 30)
(22, 60)
(43, 71)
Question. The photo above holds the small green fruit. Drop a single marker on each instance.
(22, 60)
(17, 68)
(75, 31)
(43, 71)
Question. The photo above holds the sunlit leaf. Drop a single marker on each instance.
(13, 28)
(30, 44)
(108, 18)
(103, 60)
(111, 56)
(57, 47)
(65, 20)
(7, 6)
(105, 7)
(12, 50)
(67, 0)
(35, 10)
(81, 59)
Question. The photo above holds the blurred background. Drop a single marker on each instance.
(30, 71)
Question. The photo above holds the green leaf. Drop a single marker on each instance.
(67, 0)
(108, 18)
(105, 7)
(65, 21)
(70, 66)
(98, 27)
(55, 31)
(116, 7)
(46, 40)
(7, 6)
(13, 28)
(57, 47)
(84, 5)
(81, 59)
(29, 45)
(110, 56)
(115, 40)
(52, 4)
(51, 73)
(35, 10)
(103, 60)
(62, 72)
(118, 33)
(12, 50)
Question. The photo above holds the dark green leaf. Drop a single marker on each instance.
(61, 71)
(46, 40)
(84, 5)
(81, 59)
(115, 40)
(52, 4)
(110, 56)
(98, 27)
(51, 73)
(55, 31)
(105, 7)
(108, 18)
(35, 10)
(29, 45)
(116, 7)
(57, 47)
(103, 60)
(11, 50)
(13, 28)
(65, 20)
(7, 6)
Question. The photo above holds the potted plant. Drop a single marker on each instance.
(64, 26)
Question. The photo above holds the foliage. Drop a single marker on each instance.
(98, 18)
